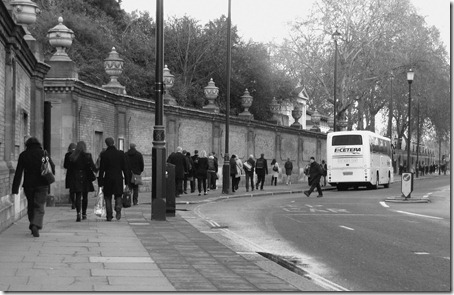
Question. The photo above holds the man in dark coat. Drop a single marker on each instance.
(249, 167)
(136, 165)
(72, 195)
(112, 171)
(261, 168)
(179, 160)
(35, 186)
(195, 160)
(315, 173)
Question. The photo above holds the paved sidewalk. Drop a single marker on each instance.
(132, 254)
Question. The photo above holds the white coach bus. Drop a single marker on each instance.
(358, 158)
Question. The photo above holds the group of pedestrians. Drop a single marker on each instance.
(199, 168)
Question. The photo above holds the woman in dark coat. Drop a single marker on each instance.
(233, 172)
(35, 186)
(82, 166)
(72, 195)
(201, 172)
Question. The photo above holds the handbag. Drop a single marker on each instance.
(275, 168)
(136, 179)
(126, 198)
(100, 207)
(46, 171)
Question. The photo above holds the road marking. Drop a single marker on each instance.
(414, 214)
(346, 227)
(421, 253)
(384, 204)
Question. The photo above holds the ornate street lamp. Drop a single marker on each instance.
(335, 36)
(410, 76)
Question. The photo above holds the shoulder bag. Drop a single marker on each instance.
(46, 170)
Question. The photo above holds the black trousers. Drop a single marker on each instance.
(260, 180)
(118, 205)
(316, 185)
(82, 197)
(36, 200)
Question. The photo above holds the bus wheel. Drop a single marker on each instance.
(375, 186)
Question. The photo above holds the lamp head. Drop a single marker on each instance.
(336, 35)
(410, 76)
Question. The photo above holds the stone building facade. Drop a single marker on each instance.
(47, 100)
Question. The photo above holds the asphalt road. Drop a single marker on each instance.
(350, 240)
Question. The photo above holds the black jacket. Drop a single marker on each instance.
(80, 170)
(29, 163)
(68, 171)
(179, 160)
(135, 161)
(315, 173)
(111, 171)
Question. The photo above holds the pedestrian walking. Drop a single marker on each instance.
(68, 176)
(83, 174)
(288, 171)
(112, 172)
(202, 172)
(249, 167)
(216, 165)
(315, 173)
(189, 177)
(325, 171)
(136, 166)
(239, 171)
(35, 185)
(275, 168)
(212, 170)
(195, 160)
(179, 160)
(261, 168)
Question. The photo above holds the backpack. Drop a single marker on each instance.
(260, 164)
(211, 164)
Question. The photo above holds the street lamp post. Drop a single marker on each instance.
(226, 166)
(158, 157)
(410, 76)
(390, 119)
(335, 36)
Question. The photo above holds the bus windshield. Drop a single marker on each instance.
(351, 139)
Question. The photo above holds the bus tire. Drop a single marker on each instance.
(375, 186)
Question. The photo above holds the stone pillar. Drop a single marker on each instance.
(211, 93)
(113, 66)
(246, 102)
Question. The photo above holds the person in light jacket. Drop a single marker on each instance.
(275, 168)
(35, 185)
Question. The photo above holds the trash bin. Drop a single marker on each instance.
(170, 189)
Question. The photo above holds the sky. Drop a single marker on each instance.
(266, 20)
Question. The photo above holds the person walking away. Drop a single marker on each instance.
(325, 171)
(261, 168)
(35, 185)
(202, 172)
(239, 170)
(68, 176)
(288, 171)
(249, 167)
(83, 168)
(212, 169)
(315, 173)
(233, 172)
(136, 166)
(195, 160)
(179, 160)
(275, 167)
(216, 167)
(112, 172)
(189, 177)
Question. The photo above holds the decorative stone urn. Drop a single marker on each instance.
(297, 112)
(61, 38)
(246, 102)
(342, 124)
(168, 80)
(25, 14)
(211, 93)
(113, 65)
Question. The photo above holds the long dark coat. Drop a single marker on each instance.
(80, 170)
(315, 173)
(29, 163)
(68, 170)
(201, 168)
(135, 162)
(179, 160)
(112, 168)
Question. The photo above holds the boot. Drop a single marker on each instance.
(78, 217)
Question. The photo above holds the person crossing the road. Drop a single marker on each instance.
(315, 173)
